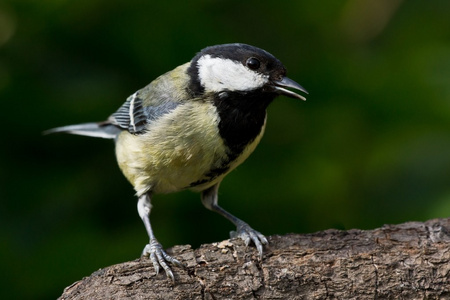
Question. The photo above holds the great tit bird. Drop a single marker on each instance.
(192, 126)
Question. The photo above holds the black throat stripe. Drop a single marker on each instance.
(242, 117)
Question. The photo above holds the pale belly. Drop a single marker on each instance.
(174, 155)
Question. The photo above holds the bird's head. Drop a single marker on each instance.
(240, 68)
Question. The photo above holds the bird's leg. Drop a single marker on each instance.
(153, 249)
(243, 230)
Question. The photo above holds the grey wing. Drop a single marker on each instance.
(134, 117)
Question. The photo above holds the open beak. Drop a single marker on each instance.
(282, 85)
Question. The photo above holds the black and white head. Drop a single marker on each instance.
(240, 68)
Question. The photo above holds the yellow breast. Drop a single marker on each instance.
(175, 151)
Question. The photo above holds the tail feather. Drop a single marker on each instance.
(101, 130)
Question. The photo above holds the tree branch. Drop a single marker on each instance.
(406, 261)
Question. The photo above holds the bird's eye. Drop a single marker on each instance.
(253, 63)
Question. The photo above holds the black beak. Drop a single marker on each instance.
(281, 85)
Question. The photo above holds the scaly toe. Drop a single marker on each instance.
(159, 258)
(248, 234)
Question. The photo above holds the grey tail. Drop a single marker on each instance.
(101, 130)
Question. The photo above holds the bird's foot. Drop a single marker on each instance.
(246, 233)
(159, 258)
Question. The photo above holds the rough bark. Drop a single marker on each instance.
(406, 261)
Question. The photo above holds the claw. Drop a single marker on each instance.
(159, 258)
(248, 234)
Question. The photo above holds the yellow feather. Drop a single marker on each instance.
(177, 150)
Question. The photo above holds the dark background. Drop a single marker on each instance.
(370, 145)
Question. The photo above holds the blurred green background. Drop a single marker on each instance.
(370, 145)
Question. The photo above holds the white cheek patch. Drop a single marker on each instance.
(218, 74)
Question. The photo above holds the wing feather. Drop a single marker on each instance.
(134, 116)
